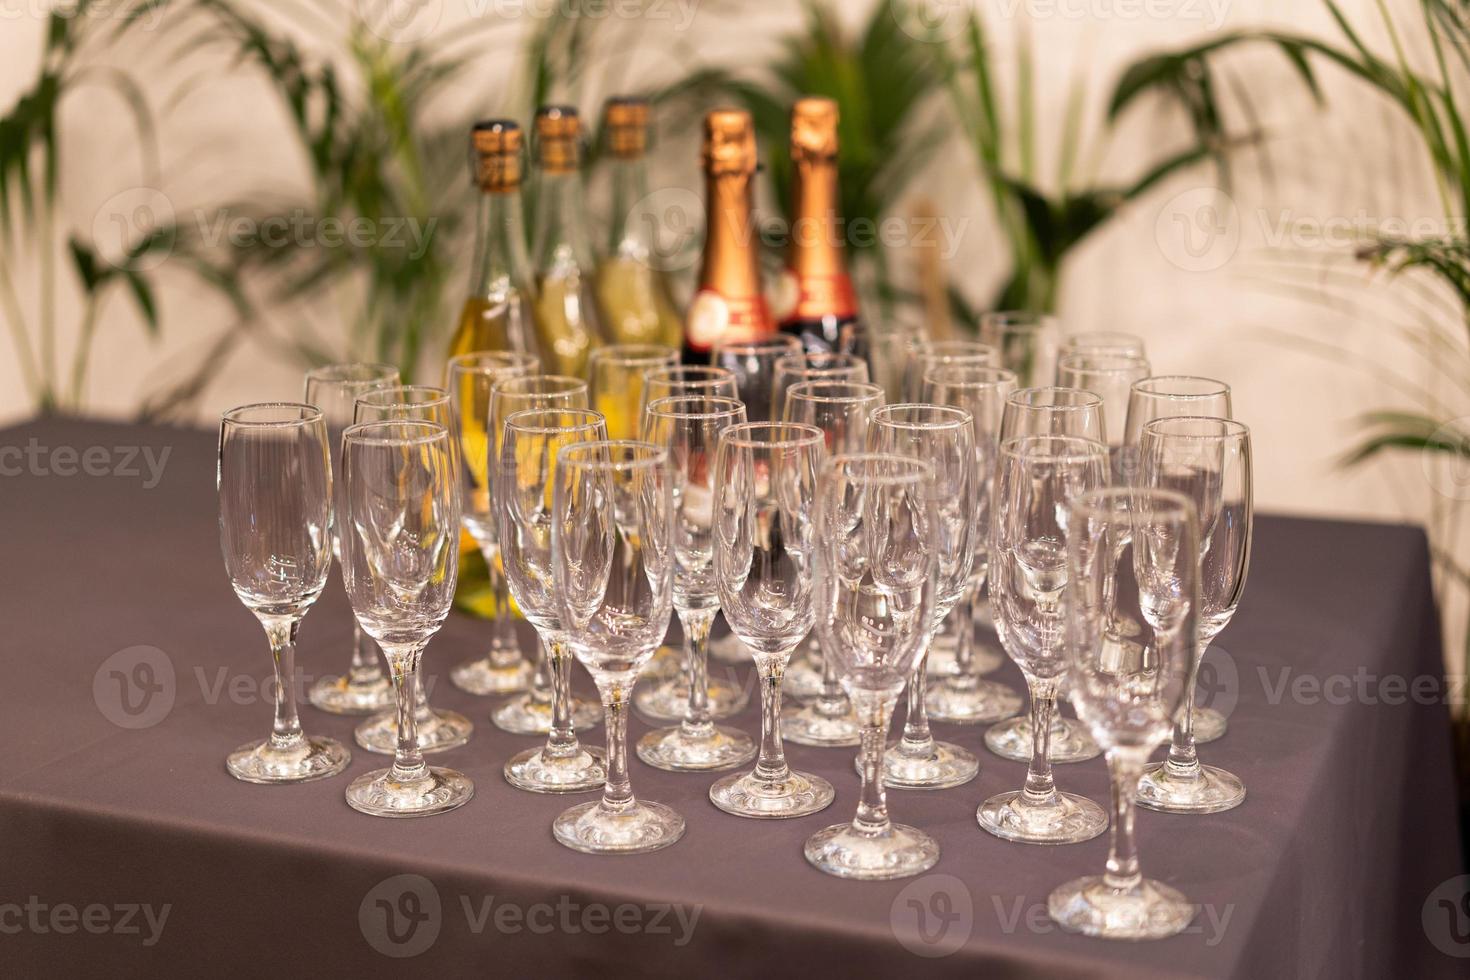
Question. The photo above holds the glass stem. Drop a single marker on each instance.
(697, 624)
(1124, 767)
(617, 793)
(1183, 761)
(561, 741)
(286, 727)
(504, 652)
(366, 668)
(831, 702)
(872, 809)
(964, 654)
(408, 761)
(420, 699)
(1040, 787)
(771, 765)
(916, 735)
(541, 686)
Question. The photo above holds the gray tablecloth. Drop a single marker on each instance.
(126, 849)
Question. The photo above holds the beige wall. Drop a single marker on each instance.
(1222, 313)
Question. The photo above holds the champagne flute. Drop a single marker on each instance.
(469, 379)
(436, 729)
(365, 688)
(1101, 343)
(613, 561)
(1027, 343)
(400, 559)
(686, 379)
(274, 478)
(841, 410)
(1209, 461)
(924, 356)
(1111, 377)
(876, 560)
(1128, 690)
(813, 366)
(1039, 477)
(944, 437)
(525, 476)
(1168, 396)
(530, 713)
(765, 485)
(689, 428)
(615, 375)
(960, 696)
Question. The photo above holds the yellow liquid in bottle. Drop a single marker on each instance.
(563, 323)
(635, 304)
(489, 324)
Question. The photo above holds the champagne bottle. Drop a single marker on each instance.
(565, 317)
(633, 297)
(497, 314)
(820, 305)
(729, 303)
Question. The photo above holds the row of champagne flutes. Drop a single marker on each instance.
(772, 561)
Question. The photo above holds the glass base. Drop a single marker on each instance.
(666, 662)
(821, 724)
(970, 701)
(439, 731)
(341, 696)
(635, 829)
(935, 765)
(1148, 910)
(666, 700)
(748, 795)
(844, 851)
(677, 750)
(483, 677)
(1209, 791)
(378, 794)
(942, 661)
(1069, 740)
(311, 758)
(729, 650)
(1070, 820)
(525, 715)
(1209, 725)
(802, 678)
(537, 772)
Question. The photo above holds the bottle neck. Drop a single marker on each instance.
(630, 230)
(731, 266)
(500, 244)
(561, 239)
(816, 257)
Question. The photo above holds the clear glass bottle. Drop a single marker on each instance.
(566, 325)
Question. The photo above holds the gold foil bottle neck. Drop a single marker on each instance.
(729, 142)
(625, 119)
(497, 154)
(558, 138)
(814, 129)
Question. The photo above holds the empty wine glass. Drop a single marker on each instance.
(689, 428)
(686, 379)
(813, 366)
(961, 696)
(1027, 343)
(365, 688)
(924, 356)
(1039, 477)
(1111, 377)
(1127, 690)
(753, 363)
(276, 533)
(943, 437)
(841, 410)
(765, 485)
(1056, 412)
(400, 556)
(876, 559)
(1209, 461)
(1169, 396)
(1101, 343)
(437, 729)
(530, 713)
(469, 379)
(613, 562)
(615, 373)
(525, 475)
